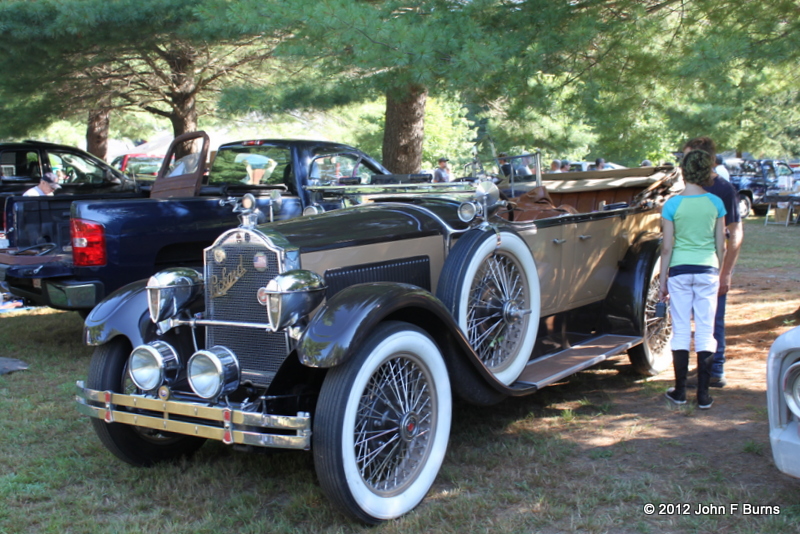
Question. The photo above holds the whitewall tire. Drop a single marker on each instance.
(491, 286)
(382, 424)
(653, 355)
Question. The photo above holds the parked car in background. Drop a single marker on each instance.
(138, 165)
(783, 401)
(345, 332)
(754, 178)
(79, 173)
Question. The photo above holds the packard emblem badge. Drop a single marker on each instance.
(219, 255)
(260, 262)
(222, 283)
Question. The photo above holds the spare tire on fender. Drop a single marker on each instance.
(490, 284)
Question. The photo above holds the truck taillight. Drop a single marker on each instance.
(88, 243)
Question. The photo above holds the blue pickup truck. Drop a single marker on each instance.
(73, 262)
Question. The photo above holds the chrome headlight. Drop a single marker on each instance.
(172, 291)
(150, 365)
(467, 211)
(486, 203)
(314, 209)
(791, 388)
(291, 296)
(213, 373)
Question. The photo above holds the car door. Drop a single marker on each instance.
(547, 244)
(785, 175)
(594, 246)
(185, 177)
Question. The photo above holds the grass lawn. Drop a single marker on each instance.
(584, 455)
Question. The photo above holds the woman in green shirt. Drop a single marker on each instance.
(693, 224)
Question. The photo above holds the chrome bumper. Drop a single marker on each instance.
(227, 425)
(73, 295)
(785, 443)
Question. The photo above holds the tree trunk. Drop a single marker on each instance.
(97, 132)
(184, 119)
(183, 94)
(404, 129)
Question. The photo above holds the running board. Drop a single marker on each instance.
(553, 367)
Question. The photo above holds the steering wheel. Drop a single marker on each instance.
(46, 249)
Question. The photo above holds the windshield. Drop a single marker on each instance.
(252, 165)
(341, 168)
(76, 169)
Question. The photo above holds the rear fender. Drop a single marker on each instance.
(628, 295)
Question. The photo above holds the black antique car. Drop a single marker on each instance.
(348, 332)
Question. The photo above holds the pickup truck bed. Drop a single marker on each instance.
(91, 247)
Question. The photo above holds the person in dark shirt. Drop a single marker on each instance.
(734, 235)
(505, 167)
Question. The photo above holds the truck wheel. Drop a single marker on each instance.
(382, 424)
(489, 283)
(745, 206)
(653, 355)
(135, 445)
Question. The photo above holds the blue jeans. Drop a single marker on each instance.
(719, 334)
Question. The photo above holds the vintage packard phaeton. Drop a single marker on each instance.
(347, 332)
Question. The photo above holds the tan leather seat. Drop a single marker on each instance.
(537, 204)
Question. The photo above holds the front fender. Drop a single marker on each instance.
(350, 316)
(123, 313)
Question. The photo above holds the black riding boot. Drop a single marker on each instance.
(680, 361)
(704, 361)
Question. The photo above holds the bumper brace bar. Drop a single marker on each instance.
(227, 425)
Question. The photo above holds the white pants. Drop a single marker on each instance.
(693, 293)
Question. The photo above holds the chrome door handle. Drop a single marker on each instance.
(585, 237)
(559, 241)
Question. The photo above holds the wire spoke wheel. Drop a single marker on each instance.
(658, 330)
(382, 424)
(653, 355)
(393, 425)
(496, 312)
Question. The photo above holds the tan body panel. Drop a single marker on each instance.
(431, 246)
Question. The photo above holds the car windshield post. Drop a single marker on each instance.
(520, 161)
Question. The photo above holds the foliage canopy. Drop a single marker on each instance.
(622, 79)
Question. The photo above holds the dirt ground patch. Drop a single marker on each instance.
(719, 456)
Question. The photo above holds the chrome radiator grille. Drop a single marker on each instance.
(235, 268)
